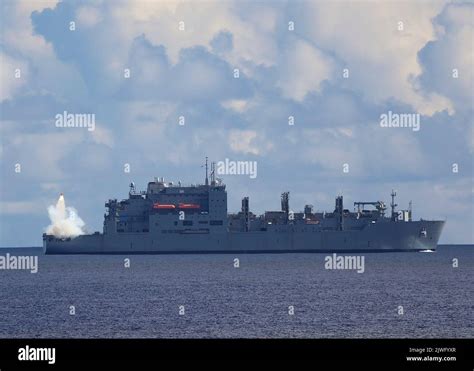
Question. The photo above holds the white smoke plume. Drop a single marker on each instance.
(64, 220)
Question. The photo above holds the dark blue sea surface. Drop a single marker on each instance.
(252, 301)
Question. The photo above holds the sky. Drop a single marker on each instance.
(236, 72)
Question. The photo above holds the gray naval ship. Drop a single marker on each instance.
(172, 218)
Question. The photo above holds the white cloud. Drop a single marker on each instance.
(237, 105)
(449, 59)
(248, 142)
(17, 31)
(88, 16)
(9, 83)
(329, 149)
(102, 135)
(33, 53)
(367, 150)
(46, 151)
(253, 38)
(302, 70)
(381, 59)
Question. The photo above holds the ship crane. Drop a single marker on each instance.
(379, 205)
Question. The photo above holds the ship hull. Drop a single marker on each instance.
(374, 237)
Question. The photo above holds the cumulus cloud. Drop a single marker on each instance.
(448, 60)
(238, 105)
(222, 42)
(88, 16)
(302, 69)
(13, 75)
(378, 43)
(243, 141)
(102, 135)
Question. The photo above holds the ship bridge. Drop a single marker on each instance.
(169, 205)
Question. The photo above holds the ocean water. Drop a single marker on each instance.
(252, 301)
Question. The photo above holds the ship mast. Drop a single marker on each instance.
(207, 180)
(213, 173)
